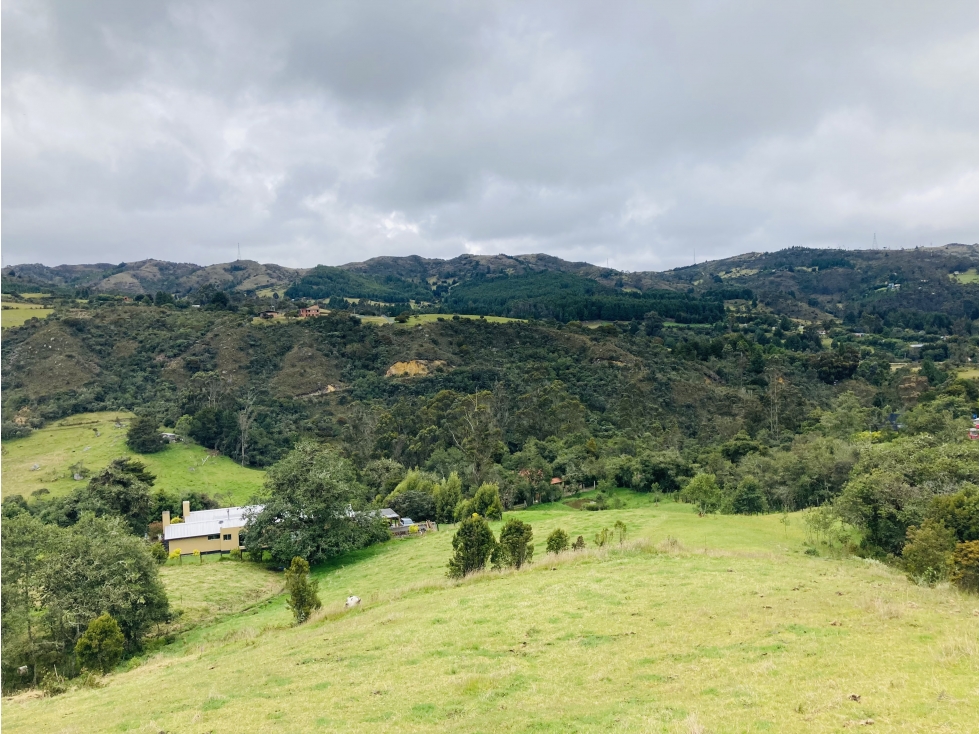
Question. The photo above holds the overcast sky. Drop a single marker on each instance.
(638, 133)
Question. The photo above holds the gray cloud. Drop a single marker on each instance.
(633, 132)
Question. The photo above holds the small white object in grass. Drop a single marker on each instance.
(352, 601)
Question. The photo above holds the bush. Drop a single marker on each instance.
(472, 545)
(159, 553)
(144, 437)
(965, 566)
(516, 545)
(303, 598)
(605, 536)
(557, 541)
(100, 647)
(928, 552)
(53, 684)
(620, 529)
(579, 544)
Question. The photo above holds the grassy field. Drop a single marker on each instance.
(56, 448)
(427, 318)
(15, 314)
(970, 373)
(969, 276)
(727, 627)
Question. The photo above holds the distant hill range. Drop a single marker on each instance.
(804, 282)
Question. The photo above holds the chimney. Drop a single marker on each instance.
(166, 518)
(186, 509)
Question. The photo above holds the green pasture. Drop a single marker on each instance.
(15, 314)
(427, 318)
(969, 276)
(60, 446)
(693, 624)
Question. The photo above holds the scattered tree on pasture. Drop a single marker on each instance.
(557, 541)
(516, 545)
(703, 492)
(303, 597)
(144, 437)
(472, 545)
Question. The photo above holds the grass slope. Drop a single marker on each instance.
(730, 628)
(57, 447)
(15, 314)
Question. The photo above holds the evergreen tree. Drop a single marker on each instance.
(472, 545)
(486, 502)
(303, 597)
(516, 545)
(557, 541)
(101, 646)
(144, 437)
(448, 494)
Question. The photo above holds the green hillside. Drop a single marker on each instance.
(570, 297)
(727, 627)
(61, 449)
(325, 282)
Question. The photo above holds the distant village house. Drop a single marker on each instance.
(309, 312)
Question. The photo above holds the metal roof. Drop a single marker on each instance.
(209, 522)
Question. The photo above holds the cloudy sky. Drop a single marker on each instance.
(633, 133)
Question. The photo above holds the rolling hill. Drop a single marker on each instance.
(692, 625)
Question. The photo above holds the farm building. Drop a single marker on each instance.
(310, 312)
(207, 531)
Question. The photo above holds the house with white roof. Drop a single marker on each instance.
(207, 531)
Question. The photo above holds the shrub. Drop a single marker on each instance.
(928, 552)
(579, 544)
(516, 545)
(303, 598)
(198, 556)
(175, 554)
(557, 541)
(53, 684)
(620, 529)
(605, 536)
(965, 566)
(472, 545)
(159, 553)
(101, 646)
